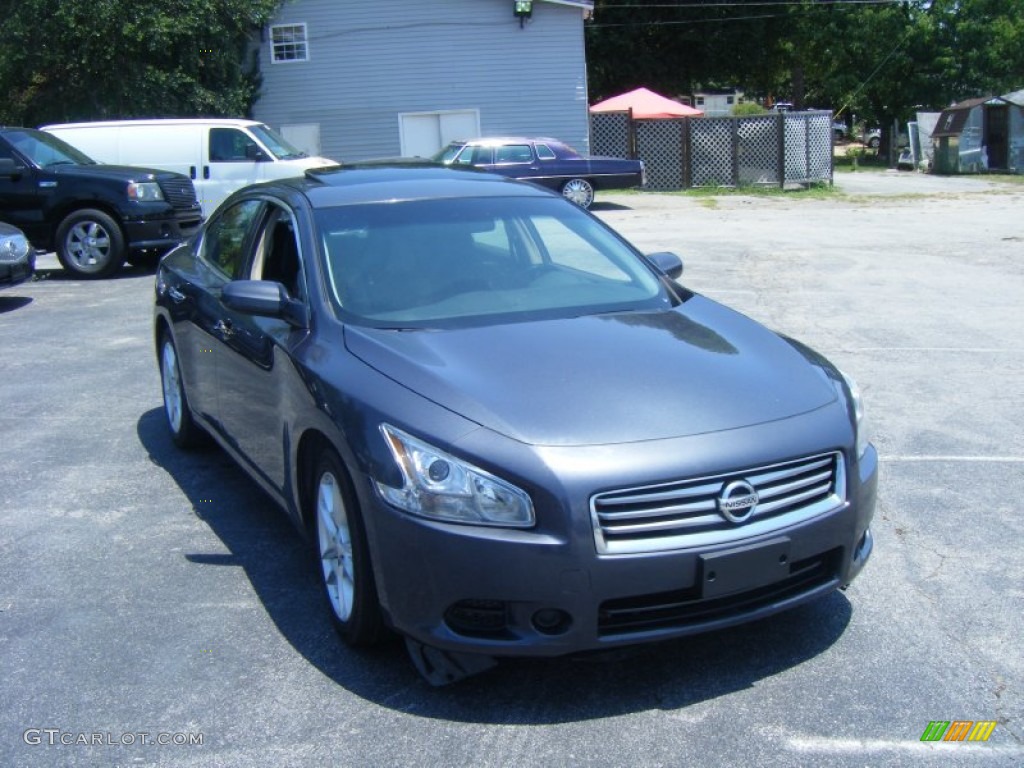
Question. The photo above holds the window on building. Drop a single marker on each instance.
(700, 101)
(288, 43)
(730, 99)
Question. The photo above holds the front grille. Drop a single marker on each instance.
(685, 608)
(684, 514)
(179, 193)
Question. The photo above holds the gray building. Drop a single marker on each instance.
(363, 78)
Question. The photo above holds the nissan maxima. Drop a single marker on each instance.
(504, 430)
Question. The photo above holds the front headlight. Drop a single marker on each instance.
(145, 192)
(439, 486)
(13, 248)
(860, 423)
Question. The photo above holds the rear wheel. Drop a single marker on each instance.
(578, 191)
(344, 557)
(90, 244)
(184, 431)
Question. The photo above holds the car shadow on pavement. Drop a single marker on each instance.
(606, 206)
(665, 676)
(10, 302)
(144, 268)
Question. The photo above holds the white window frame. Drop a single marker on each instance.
(292, 45)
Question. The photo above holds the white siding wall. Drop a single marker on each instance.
(371, 60)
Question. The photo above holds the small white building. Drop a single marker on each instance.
(717, 103)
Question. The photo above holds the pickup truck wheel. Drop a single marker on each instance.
(578, 191)
(90, 244)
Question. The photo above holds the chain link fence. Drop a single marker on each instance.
(679, 153)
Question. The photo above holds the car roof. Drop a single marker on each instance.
(497, 141)
(359, 183)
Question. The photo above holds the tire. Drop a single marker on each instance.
(873, 143)
(578, 191)
(184, 431)
(343, 557)
(90, 244)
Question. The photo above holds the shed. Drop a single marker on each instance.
(983, 134)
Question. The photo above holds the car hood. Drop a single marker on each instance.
(115, 172)
(604, 379)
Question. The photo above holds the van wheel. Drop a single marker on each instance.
(90, 244)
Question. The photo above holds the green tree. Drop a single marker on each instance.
(881, 61)
(64, 60)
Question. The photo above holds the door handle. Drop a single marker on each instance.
(192, 172)
(176, 295)
(206, 171)
(224, 328)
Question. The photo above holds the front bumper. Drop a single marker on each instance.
(17, 272)
(529, 593)
(162, 232)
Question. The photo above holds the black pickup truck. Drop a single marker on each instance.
(94, 216)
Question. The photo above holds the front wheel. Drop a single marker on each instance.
(578, 191)
(344, 557)
(90, 244)
(873, 143)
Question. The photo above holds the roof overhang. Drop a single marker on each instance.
(587, 5)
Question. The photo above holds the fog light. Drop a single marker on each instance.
(552, 621)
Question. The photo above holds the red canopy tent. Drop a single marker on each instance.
(645, 104)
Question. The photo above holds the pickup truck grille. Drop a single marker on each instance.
(685, 514)
(179, 193)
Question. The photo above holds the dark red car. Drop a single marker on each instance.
(547, 162)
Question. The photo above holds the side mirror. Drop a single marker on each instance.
(252, 152)
(10, 169)
(263, 298)
(667, 263)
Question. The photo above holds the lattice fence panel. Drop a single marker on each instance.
(819, 145)
(609, 134)
(809, 147)
(758, 150)
(711, 152)
(659, 143)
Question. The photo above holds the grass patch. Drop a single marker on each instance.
(818, 190)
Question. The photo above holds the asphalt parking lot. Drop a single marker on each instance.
(150, 595)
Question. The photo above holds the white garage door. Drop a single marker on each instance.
(423, 133)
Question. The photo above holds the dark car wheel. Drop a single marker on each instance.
(578, 191)
(90, 244)
(874, 142)
(184, 431)
(344, 557)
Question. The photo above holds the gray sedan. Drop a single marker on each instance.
(504, 430)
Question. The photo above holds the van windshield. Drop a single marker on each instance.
(276, 143)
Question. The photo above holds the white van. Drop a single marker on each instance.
(218, 154)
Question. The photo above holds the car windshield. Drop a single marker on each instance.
(276, 143)
(447, 154)
(456, 262)
(45, 149)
